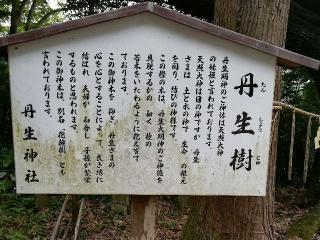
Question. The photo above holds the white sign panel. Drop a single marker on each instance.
(140, 105)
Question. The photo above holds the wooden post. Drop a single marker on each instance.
(42, 201)
(143, 215)
(75, 209)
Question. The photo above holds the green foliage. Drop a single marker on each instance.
(43, 16)
(6, 185)
(81, 8)
(307, 226)
(20, 16)
(4, 16)
(5, 110)
(7, 178)
(19, 219)
(6, 159)
(170, 224)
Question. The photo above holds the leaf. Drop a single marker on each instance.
(13, 177)
(6, 159)
(2, 175)
(6, 186)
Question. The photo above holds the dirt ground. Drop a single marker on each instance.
(99, 222)
(289, 206)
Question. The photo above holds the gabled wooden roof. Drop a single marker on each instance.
(284, 57)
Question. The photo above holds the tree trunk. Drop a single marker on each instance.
(14, 18)
(17, 9)
(244, 218)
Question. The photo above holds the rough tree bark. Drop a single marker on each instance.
(17, 9)
(30, 15)
(244, 218)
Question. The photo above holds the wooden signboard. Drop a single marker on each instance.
(141, 105)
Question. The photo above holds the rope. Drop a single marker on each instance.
(306, 156)
(297, 110)
(276, 115)
(276, 105)
(293, 128)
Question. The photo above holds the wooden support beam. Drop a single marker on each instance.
(77, 227)
(143, 215)
(66, 232)
(56, 227)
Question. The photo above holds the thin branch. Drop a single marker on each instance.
(49, 14)
(30, 15)
(22, 6)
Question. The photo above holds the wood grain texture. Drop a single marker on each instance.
(284, 57)
(143, 215)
